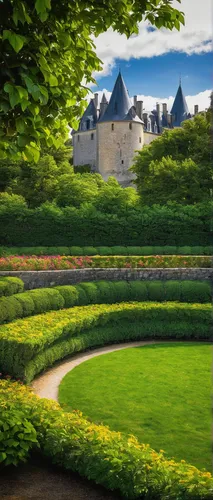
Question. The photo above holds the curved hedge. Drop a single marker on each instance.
(10, 286)
(30, 345)
(114, 250)
(109, 458)
(46, 299)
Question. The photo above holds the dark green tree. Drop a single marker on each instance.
(47, 56)
(177, 166)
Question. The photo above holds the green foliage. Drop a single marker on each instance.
(49, 225)
(177, 166)
(105, 251)
(47, 61)
(10, 285)
(82, 169)
(57, 334)
(109, 458)
(69, 294)
(17, 436)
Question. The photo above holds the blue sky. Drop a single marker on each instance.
(160, 75)
(152, 61)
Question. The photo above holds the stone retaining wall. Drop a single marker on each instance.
(39, 279)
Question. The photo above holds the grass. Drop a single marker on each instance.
(159, 393)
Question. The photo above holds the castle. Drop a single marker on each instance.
(110, 134)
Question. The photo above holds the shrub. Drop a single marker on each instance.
(18, 436)
(75, 443)
(45, 299)
(208, 250)
(69, 294)
(91, 292)
(104, 250)
(198, 291)
(75, 251)
(146, 250)
(138, 290)
(170, 250)
(172, 290)
(184, 250)
(10, 308)
(10, 285)
(106, 292)
(82, 296)
(156, 291)
(27, 303)
(119, 250)
(122, 290)
(89, 251)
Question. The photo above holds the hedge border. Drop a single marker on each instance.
(47, 299)
(109, 458)
(52, 336)
(105, 251)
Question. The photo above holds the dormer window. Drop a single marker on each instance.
(112, 126)
(130, 126)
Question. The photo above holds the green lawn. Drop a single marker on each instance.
(159, 393)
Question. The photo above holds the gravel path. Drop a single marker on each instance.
(46, 385)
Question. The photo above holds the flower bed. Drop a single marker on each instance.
(117, 462)
(30, 345)
(38, 263)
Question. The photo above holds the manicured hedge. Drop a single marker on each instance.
(49, 225)
(107, 457)
(46, 299)
(116, 250)
(30, 345)
(10, 285)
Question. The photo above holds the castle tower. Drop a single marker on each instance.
(119, 134)
(179, 109)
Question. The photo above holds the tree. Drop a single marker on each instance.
(47, 52)
(177, 166)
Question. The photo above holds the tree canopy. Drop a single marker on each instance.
(47, 58)
(177, 166)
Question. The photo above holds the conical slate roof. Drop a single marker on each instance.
(104, 99)
(89, 114)
(120, 106)
(179, 108)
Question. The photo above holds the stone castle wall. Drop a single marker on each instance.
(149, 137)
(116, 149)
(84, 148)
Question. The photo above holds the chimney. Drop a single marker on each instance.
(164, 109)
(96, 100)
(169, 119)
(158, 109)
(196, 108)
(139, 109)
(135, 101)
(145, 119)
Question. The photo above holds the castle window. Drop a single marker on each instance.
(78, 138)
(139, 139)
(112, 127)
(130, 126)
(122, 162)
(92, 137)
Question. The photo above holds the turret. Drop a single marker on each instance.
(119, 134)
(179, 109)
(103, 105)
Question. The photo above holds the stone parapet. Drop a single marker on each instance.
(40, 279)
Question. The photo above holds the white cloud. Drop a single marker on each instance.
(193, 38)
(149, 102)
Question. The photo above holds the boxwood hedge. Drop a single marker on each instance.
(30, 345)
(46, 299)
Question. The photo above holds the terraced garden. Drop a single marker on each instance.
(42, 326)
